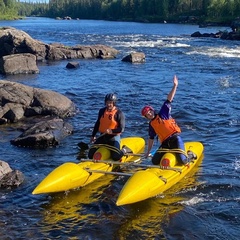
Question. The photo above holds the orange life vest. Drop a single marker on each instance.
(108, 121)
(164, 128)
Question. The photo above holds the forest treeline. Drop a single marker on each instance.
(198, 11)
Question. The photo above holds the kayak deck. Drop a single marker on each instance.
(73, 175)
(155, 180)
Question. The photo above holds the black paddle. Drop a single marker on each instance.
(85, 146)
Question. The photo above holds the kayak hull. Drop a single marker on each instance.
(74, 175)
(153, 181)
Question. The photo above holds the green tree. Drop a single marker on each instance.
(151, 10)
(8, 9)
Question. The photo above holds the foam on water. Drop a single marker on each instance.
(217, 52)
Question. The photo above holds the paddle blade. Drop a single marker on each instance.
(83, 146)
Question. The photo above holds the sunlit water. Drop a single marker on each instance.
(203, 206)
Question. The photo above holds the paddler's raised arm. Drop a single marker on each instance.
(174, 89)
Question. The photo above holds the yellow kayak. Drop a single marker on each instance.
(155, 180)
(73, 175)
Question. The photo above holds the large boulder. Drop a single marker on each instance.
(18, 101)
(18, 64)
(46, 133)
(13, 41)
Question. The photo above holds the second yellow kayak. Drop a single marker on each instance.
(154, 180)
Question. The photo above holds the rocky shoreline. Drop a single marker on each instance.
(221, 35)
(19, 52)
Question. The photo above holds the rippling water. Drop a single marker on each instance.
(203, 206)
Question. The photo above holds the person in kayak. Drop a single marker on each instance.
(165, 127)
(110, 123)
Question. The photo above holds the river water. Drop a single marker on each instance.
(203, 206)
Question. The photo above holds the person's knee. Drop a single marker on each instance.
(116, 157)
(155, 160)
(184, 159)
(91, 153)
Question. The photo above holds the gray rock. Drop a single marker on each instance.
(18, 64)
(18, 101)
(136, 57)
(12, 179)
(4, 168)
(13, 112)
(72, 65)
(44, 134)
(8, 177)
(13, 41)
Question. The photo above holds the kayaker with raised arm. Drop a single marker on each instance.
(165, 127)
(110, 123)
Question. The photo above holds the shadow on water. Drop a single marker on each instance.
(69, 205)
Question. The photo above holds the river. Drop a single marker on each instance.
(203, 206)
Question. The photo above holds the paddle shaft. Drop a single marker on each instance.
(111, 173)
(85, 146)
